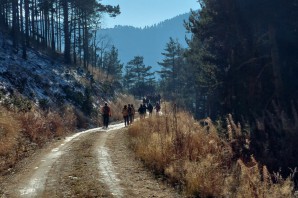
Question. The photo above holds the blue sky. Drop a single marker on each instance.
(140, 13)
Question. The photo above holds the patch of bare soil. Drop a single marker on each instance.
(94, 163)
(76, 173)
(135, 179)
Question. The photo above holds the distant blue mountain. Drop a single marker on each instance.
(148, 42)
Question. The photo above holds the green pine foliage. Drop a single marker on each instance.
(112, 65)
(138, 79)
(176, 76)
(243, 56)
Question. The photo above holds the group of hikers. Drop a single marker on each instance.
(143, 109)
(152, 98)
(128, 112)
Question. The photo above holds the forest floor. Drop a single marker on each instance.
(93, 163)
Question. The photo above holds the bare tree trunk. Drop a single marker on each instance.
(24, 50)
(74, 19)
(33, 34)
(15, 28)
(85, 42)
(67, 57)
(26, 5)
(80, 42)
(53, 31)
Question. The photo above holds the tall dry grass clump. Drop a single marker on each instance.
(203, 163)
(253, 180)
(9, 131)
(41, 126)
(9, 137)
(118, 103)
(22, 132)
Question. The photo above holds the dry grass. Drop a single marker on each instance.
(22, 132)
(9, 131)
(41, 126)
(9, 137)
(118, 103)
(195, 157)
(99, 75)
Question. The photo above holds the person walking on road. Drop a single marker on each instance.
(150, 109)
(157, 108)
(106, 113)
(129, 113)
(132, 116)
(125, 115)
(141, 111)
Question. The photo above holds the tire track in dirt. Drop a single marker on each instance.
(134, 178)
(45, 174)
(77, 173)
(107, 169)
(92, 163)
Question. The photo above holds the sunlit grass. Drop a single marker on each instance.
(9, 132)
(195, 157)
(21, 131)
(41, 126)
(117, 105)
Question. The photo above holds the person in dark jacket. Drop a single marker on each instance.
(106, 113)
(150, 109)
(157, 108)
(125, 115)
(142, 111)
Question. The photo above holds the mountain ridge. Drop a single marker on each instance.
(149, 41)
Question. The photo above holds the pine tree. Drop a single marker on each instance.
(53, 23)
(172, 68)
(138, 77)
(112, 64)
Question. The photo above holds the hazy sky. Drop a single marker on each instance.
(140, 13)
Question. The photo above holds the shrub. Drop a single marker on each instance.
(195, 157)
(22, 132)
(40, 126)
(9, 131)
(10, 137)
(117, 105)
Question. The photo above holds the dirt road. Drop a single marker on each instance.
(92, 163)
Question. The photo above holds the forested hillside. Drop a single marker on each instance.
(242, 59)
(47, 54)
(60, 25)
(238, 68)
(148, 42)
(50, 85)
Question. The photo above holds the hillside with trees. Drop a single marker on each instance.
(227, 81)
(148, 42)
(241, 59)
(59, 25)
(50, 85)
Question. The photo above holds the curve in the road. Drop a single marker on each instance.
(36, 184)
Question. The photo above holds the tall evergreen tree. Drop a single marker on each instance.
(242, 53)
(137, 76)
(112, 64)
(172, 69)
